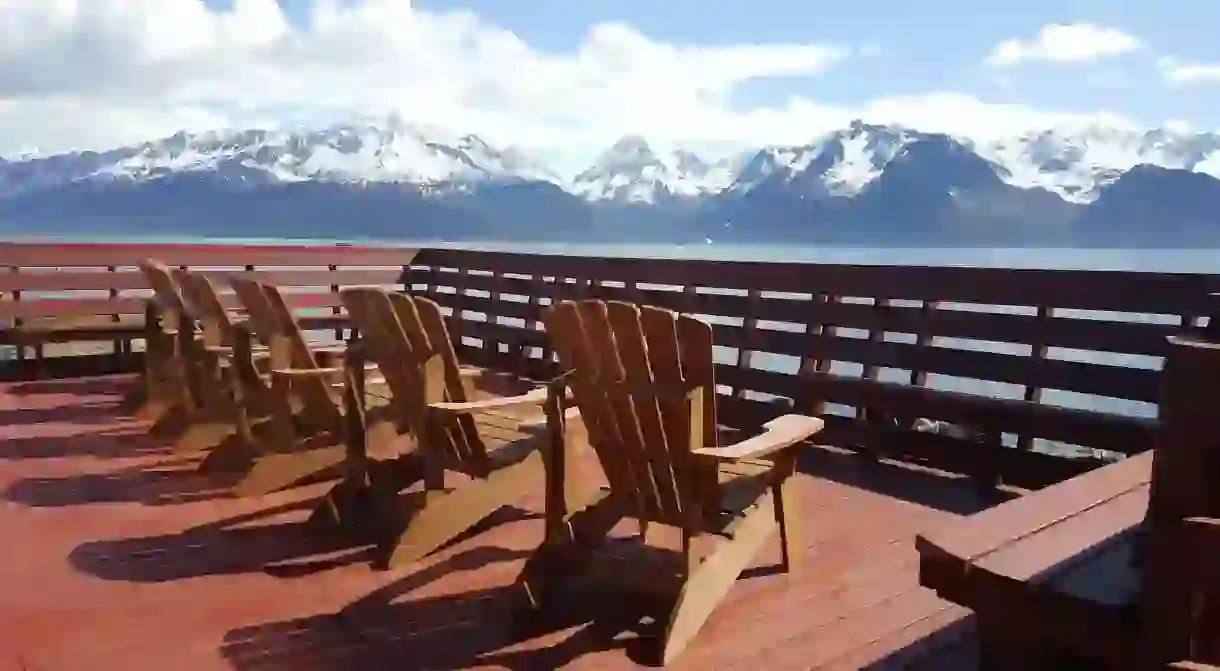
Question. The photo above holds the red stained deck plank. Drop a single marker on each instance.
(119, 555)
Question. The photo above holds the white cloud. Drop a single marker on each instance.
(1064, 43)
(1181, 74)
(80, 74)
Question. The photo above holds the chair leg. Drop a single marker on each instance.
(366, 502)
(715, 576)
(203, 435)
(788, 517)
(447, 515)
(162, 392)
(562, 554)
(145, 401)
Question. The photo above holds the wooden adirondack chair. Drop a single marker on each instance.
(165, 391)
(642, 378)
(306, 428)
(484, 439)
(221, 417)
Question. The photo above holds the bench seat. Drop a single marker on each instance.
(1053, 567)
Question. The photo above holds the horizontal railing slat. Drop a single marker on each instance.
(217, 255)
(46, 280)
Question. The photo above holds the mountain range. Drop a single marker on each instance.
(862, 184)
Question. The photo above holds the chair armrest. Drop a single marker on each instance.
(540, 422)
(780, 433)
(535, 397)
(306, 372)
(258, 352)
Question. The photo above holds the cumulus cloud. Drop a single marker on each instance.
(78, 74)
(1181, 74)
(1064, 43)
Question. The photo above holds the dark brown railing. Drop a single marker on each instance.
(1030, 366)
(76, 309)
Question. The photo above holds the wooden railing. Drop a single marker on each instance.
(1033, 365)
(1043, 374)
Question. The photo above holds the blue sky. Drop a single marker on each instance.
(922, 46)
(573, 75)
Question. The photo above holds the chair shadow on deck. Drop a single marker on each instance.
(104, 442)
(277, 541)
(99, 413)
(166, 482)
(261, 541)
(483, 626)
(117, 385)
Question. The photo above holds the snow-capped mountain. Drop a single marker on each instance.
(839, 163)
(630, 171)
(863, 183)
(1075, 165)
(387, 152)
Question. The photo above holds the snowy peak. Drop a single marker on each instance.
(389, 151)
(840, 163)
(630, 171)
(1077, 164)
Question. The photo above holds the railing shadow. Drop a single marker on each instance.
(113, 443)
(164, 483)
(96, 413)
(486, 626)
(960, 496)
(91, 386)
(254, 542)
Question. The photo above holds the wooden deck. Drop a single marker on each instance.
(120, 555)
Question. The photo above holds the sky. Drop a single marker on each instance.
(569, 77)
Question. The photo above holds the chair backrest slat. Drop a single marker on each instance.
(408, 339)
(567, 335)
(166, 293)
(274, 323)
(632, 371)
(664, 459)
(204, 301)
(698, 368)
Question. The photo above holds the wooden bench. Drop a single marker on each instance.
(1116, 565)
(1073, 538)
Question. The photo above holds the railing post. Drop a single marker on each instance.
(334, 310)
(18, 347)
(121, 346)
(1038, 355)
(875, 420)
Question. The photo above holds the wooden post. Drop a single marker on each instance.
(1185, 480)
